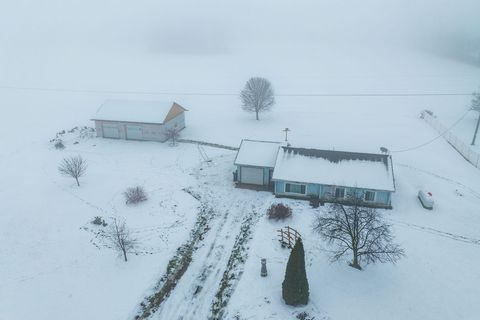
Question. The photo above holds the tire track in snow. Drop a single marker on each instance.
(194, 302)
(471, 190)
(436, 232)
(194, 294)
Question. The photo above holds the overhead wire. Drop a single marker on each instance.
(133, 92)
(432, 140)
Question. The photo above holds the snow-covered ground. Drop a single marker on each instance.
(53, 269)
(54, 264)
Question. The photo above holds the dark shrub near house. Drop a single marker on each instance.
(279, 211)
(314, 202)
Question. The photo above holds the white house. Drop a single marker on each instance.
(138, 120)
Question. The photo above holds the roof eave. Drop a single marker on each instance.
(336, 185)
(142, 122)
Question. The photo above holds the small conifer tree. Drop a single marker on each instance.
(295, 286)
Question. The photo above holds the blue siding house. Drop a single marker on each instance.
(325, 175)
(334, 176)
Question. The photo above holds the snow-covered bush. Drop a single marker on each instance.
(99, 221)
(279, 211)
(59, 145)
(304, 316)
(135, 195)
(86, 133)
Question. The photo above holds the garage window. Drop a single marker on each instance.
(295, 188)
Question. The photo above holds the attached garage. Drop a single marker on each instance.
(138, 120)
(110, 130)
(255, 162)
(251, 175)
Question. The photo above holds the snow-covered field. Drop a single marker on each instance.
(55, 264)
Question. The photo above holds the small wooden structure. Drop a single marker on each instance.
(288, 236)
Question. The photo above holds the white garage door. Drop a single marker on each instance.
(111, 131)
(252, 175)
(134, 132)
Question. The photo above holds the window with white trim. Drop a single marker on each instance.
(295, 188)
(369, 196)
(339, 192)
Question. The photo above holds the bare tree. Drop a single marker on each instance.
(257, 96)
(120, 237)
(475, 105)
(74, 167)
(358, 230)
(172, 134)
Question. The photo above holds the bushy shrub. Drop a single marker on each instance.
(279, 211)
(99, 221)
(314, 202)
(304, 316)
(59, 145)
(135, 195)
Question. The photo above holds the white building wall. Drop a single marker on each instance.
(151, 132)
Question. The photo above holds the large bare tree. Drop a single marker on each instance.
(121, 238)
(74, 167)
(358, 231)
(257, 96)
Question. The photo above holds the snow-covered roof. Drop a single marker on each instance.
(338, 168)
(257, 153)
(134, 111)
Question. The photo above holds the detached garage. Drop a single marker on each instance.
(138, 120)
(255, 162)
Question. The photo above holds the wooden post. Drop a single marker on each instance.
(288, 235)
(476, 130)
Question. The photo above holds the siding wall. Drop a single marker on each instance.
(151, 132)
(326, 192)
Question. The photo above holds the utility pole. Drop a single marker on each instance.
(286, 130)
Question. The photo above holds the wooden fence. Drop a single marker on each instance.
(209, 144)
(288, 236)
(465, 150)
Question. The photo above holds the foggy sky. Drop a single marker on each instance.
(189, 26)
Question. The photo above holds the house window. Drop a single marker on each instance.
(339, 192)
(369, 196)
(295, 188)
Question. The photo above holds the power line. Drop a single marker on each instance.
(430, 141)
(133, 92)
